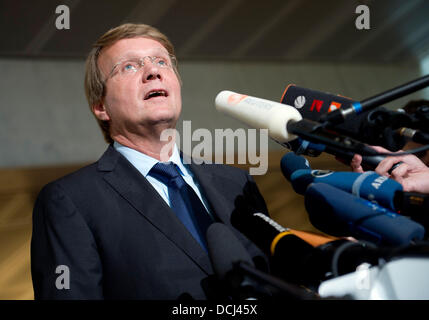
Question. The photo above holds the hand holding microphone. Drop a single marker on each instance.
(408, 170)
(413, 174)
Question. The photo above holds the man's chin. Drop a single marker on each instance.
(168, 121)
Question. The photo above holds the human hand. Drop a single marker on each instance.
(356, 162)
(412, 173)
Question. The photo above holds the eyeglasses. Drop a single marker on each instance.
(131, 66)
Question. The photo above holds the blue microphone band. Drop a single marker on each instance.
(357, 107)
(359, 181)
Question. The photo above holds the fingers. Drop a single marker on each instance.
(400, 171)
(385, 165)
(380, 149)
(414, 164)
(355, 164)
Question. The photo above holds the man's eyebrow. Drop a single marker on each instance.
(137, 55)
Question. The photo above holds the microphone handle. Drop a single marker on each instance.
(340, 115)
(278, 287)
(372, 161)
(368, 162)
(305, 129)
(395, 93)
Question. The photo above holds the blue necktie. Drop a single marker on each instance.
(184, 201)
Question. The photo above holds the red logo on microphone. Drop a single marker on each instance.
(317, 104)
(236, 98)
(334, 106)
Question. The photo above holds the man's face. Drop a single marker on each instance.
(128, 103)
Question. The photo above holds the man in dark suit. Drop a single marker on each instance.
(113, 229)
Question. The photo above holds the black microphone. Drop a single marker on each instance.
(413, 135)
(291, 257)
(414, 205)
(234, 268)
(379, 127)
(226, 252)
(289, 254)
(313, 104)
(295, 260)
(374, 126)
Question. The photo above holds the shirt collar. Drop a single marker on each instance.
(144, 163)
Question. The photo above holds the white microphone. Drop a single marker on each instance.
(259, 113)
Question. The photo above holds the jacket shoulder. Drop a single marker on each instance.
(74, 178)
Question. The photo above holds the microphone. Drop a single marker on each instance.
(234, 267)
(339, 213)
(259, 113)
(293, 259)
(312, 104)
(268, 235)
(278, 119)
(413, 135)
(374, 127)
(379, 127)
(288, 254)
(224, 257)
(368, 185)
(226, 253)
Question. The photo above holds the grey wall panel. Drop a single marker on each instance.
(45, 120)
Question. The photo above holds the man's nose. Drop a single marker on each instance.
(150, 71)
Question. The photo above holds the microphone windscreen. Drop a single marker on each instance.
(225, 249)
(368, 185)
(259, 113)
(339, 213)
(292, 162)
(312, 104)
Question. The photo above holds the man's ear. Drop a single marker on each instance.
(99, 109)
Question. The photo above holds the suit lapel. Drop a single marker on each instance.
(212, 185)
(135, 189)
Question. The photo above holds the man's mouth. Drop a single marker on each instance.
(155, 93)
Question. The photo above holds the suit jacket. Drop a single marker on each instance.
(120, 240)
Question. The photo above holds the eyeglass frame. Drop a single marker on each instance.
(172, 57)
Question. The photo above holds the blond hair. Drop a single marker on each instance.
(94, 82)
